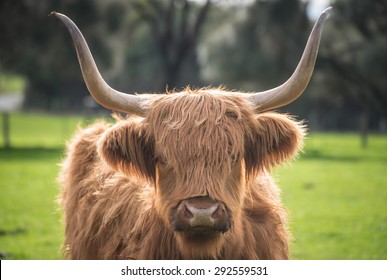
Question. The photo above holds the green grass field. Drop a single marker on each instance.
(336, 193)
(337, 196)
(11, 83)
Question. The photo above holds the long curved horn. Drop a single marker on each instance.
(296, 84)
(98, 88)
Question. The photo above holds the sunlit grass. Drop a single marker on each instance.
(28, 214)
(30, 225)
(41, 130)
(336, 194)
(11, 83)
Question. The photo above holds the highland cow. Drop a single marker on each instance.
(187, 177)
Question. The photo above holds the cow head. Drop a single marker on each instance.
(199, 148)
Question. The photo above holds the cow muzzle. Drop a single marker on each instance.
(201, 215)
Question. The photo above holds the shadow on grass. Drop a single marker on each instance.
(319, 155)
(30, 153)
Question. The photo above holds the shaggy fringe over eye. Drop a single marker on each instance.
(200, 135)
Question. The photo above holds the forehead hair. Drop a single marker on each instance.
(199, 125)
(198, 133)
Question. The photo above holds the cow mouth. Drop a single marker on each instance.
(201, 229)
(204, 229)
(201, 233)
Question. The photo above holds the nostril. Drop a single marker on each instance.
(215, 211)
(187, 213)
(219, 213)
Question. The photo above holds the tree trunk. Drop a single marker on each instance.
(172, 74)
(364, 129)
(6, 134)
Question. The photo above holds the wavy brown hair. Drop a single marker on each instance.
(122, 182)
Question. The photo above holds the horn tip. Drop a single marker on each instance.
(56, 14)
(328, 10)
(323, 16)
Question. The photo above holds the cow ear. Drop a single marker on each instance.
(127, 148)
(274, 139)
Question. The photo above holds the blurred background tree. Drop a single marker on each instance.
(32, 47)
(354, 61)
(148, 46)
(259, 48)
(260, 45)
(175, 26)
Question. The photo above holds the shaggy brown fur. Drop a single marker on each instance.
(122, 183)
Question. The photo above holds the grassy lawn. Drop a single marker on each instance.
(11, 83)
(30, 225)
(336, 193)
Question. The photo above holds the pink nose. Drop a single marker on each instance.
(199, 217)
(202, 213)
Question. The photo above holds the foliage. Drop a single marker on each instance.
(261, 46)
(39, 48)
(140, 46)
(162, 35)
(175, 26)
(354, 59)
(258, 48)
(335, 193)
